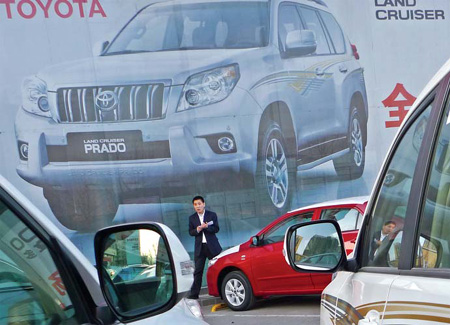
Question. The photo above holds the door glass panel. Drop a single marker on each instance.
(276, 234)
(387, 219)
(31, 288)
(335, 31)
(346, 218)
(313, 23)
(433, 242)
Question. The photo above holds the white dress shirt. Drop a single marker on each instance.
(200, 216)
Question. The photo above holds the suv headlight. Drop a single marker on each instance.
(208, 87)
(34, 96)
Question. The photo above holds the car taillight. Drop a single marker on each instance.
(355, 52)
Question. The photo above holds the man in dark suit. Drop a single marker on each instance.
(203, 225)
(379, 236)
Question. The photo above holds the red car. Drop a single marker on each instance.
(257, 267)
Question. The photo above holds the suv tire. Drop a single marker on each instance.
(275, 178)
(82, 210)
(351, 165)
(237, 291)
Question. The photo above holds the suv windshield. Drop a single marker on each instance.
(174, 27)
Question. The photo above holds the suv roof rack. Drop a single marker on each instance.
(320, 2)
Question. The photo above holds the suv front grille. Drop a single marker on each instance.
(111, 103)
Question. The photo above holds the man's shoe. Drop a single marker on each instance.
(192, 297)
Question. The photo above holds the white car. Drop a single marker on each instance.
(44, 278)
(400, 270)
(214, 94)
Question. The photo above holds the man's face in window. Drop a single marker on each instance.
(387, 229)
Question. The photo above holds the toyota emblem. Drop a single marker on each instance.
(106, 100)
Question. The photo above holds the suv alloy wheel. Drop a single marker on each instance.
(351, 165)
(276, 174)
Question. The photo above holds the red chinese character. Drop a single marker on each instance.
(406, 99)
(58, 285)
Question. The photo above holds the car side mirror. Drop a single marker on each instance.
(146, 275)
(300, 42)
(99, 48)
(315, 246)
(429, 252)
(256, 241)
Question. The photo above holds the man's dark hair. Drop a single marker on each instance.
(389, 222)
(198, 197)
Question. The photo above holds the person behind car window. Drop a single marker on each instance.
(379, 236)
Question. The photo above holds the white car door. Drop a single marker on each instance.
(422, 294)
(361, 297)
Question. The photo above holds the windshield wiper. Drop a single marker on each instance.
(124, 52)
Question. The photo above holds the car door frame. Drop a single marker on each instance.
(438, 96)
(406, 261)
(83, 303)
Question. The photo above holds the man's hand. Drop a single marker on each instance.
(202, 226)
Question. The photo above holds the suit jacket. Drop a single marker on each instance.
(210, 233)
(373, 244)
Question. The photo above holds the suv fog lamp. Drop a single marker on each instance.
(43, 104)
(192, 97)
(225, 144)
(23, 150)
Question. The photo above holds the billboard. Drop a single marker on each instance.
(117, 111)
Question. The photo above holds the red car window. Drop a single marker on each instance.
(276, 234)
(347, 218)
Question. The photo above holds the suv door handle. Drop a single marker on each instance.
(319, 71)
(343, 68)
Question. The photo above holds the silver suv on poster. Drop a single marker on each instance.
(195, 95)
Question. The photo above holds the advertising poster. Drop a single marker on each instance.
(119, 111)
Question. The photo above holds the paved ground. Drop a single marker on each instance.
(279, 310)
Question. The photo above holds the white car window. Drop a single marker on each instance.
(433, 242)
(194, 26)
(335, 32)
(313, 23)
(288, 21)
(276, 234)
(387, 218)
(31, 288)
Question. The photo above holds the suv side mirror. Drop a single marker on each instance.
(144, 282)
(315, 246)
(300, 42)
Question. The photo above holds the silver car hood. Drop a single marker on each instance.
(173, 67)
